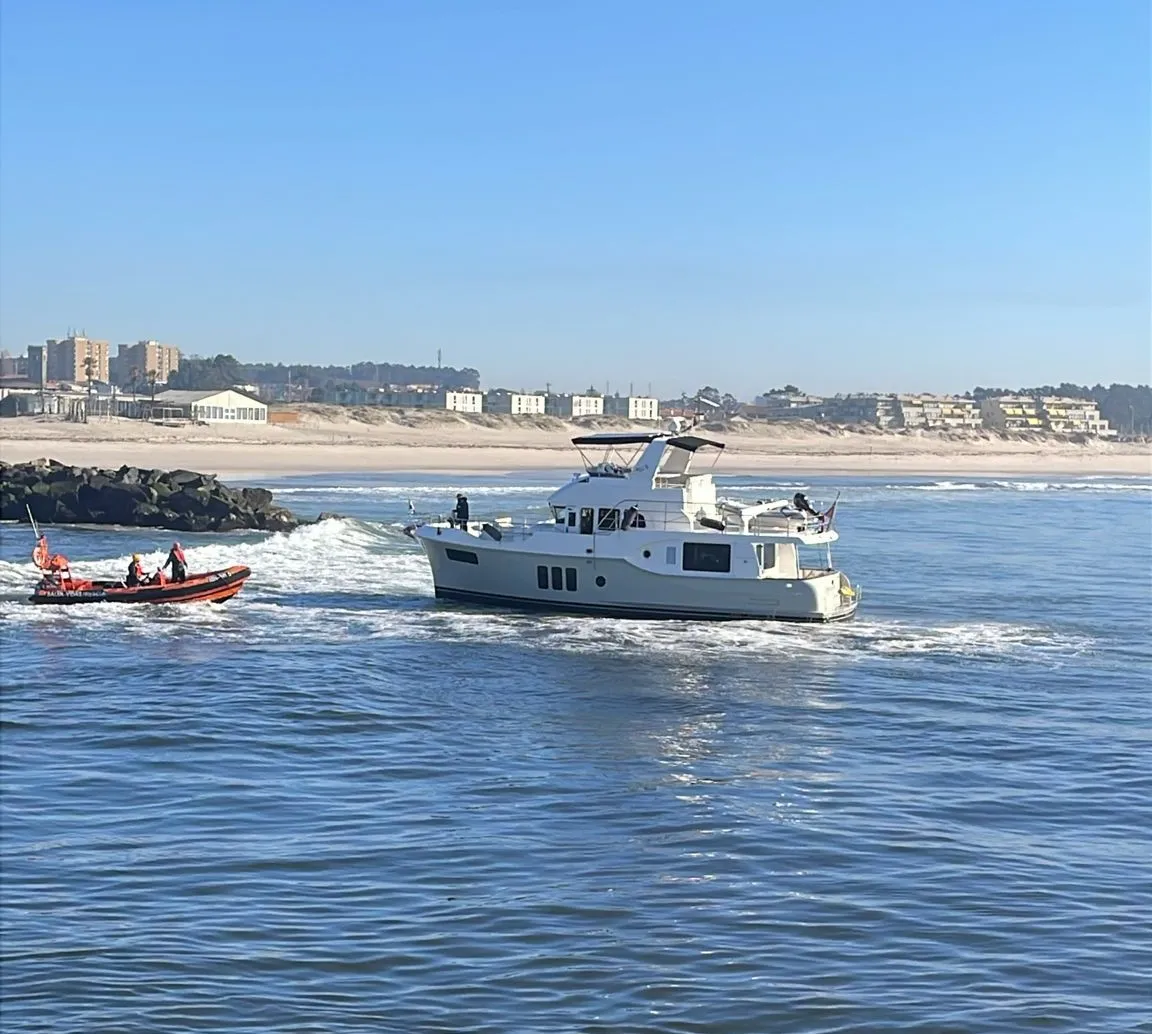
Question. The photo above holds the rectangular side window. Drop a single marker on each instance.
(570, 579)
(542, 577)
(767, 555)
(609, 519)
(586, 519)
(670, 555)
(557, 578)
(571, 518)
(708, 556)
(462, 556)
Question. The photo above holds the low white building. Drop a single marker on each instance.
(213, 407)
(514, 403)
(464, 401)
(574, 405)
(633, 407)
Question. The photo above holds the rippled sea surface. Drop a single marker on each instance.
(334, 804)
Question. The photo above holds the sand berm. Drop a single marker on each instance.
(334, 439)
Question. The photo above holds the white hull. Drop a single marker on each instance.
(508, 574)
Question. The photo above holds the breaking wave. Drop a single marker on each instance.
(1089, 485)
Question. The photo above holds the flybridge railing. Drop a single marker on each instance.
(633, 514)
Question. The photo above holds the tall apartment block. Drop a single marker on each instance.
(66, 359)
(147, 357)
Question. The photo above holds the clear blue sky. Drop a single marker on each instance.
(845, 195)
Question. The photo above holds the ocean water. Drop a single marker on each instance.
(334, 804)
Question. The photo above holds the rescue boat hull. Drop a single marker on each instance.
(209, 587)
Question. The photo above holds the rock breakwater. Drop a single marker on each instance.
(182, 500)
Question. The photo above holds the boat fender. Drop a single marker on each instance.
(492, 531)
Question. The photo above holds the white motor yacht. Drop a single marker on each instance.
(640, 534)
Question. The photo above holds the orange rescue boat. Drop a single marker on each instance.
(59, 586)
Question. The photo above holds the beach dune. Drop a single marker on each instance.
(335, 439)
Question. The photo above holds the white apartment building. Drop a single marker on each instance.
(514, 403)
(574, 405)
(878, 410)
(633, 407)
(939, 411)
(464, 401)
(1012, 413)
(1074, 416)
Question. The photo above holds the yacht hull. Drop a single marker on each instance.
(613, 587)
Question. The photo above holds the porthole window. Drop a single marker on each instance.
(647, 553)
(600, 581)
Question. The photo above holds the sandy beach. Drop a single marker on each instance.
(330, 440)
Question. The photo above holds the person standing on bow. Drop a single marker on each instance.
(177, 562)
(461, 511)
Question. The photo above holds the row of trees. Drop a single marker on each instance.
(198, 373)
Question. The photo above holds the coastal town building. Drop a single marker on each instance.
(514, 403)
(778, 405)
(939, 412)
(145, 357)
(632, 407)
(1012, 413)
(212, 407)
(463, 401)
(68, 360)
(570, 406)
(1074, 416)
(878, 410)
(12, 366)
(37, 364)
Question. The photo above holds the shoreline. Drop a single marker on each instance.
(255, 459)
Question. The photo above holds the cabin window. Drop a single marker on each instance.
(609, 519)
(707, 556)
(542, 577)
(570, 579)
(586, 521)
(558, 513)
(765, 556)
(670, 555)
(462, 556)
(557, 578)
(632, 518)
(571, 518)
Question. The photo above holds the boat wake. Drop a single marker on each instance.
(350, 580)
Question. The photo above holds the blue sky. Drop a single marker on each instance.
(843, 195)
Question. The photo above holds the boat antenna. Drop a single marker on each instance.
(32, 521)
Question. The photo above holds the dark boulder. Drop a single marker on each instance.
(182, 500)
(148, 515)
(256, 498)
(119, 502)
